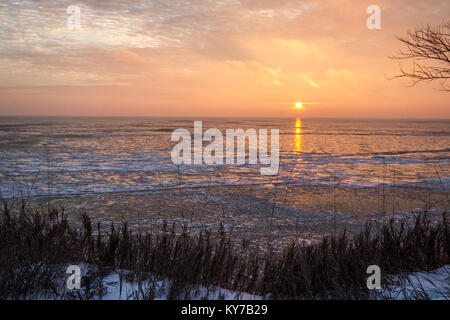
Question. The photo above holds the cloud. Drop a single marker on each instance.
(204, 51)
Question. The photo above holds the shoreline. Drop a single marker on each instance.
(41, 243)
(286, 212)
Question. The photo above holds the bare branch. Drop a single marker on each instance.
(429, 49)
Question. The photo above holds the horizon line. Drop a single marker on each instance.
(220, 117)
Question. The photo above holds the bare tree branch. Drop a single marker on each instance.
(429, 49)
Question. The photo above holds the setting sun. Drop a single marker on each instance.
(299, 105)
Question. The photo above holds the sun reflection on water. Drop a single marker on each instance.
(298, 136)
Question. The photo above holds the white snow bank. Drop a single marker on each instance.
(433, 285)
(115, 292)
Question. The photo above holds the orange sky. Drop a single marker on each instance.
(212, 58)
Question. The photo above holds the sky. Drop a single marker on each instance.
(213, 58)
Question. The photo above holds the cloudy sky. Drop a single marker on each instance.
(212, 58)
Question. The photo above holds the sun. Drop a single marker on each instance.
(299, 105)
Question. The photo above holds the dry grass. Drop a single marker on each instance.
(34, 244)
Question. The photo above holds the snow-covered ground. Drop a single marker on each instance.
(420, 285)
(123, 285)
(115, 292)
